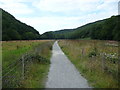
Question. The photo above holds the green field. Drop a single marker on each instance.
(39, 53)
(96, 60)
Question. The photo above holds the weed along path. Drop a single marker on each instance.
(62, 73)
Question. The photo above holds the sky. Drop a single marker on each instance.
(52, 15)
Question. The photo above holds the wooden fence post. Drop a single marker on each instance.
(82, 51)
(23, 67)
(103, 62)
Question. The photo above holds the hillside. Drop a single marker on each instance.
(107, 29)
(61, 34)
(13, 29)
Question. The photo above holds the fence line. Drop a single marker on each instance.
(20, 66)
(11, 65)
(6, 77)
(10, 71)
(106, 58)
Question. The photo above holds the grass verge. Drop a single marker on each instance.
(36, 77)
(85, 55)
(35, 70)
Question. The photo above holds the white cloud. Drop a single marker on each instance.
(109, 5)
(72, 5)
(15, 7)
(43, 24)
(86, 11)
(66, 5)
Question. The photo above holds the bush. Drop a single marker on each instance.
(41, 59)
(93, 53)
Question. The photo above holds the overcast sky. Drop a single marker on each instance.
(51, 15)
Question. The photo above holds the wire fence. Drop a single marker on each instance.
(106, 56)
(15, 73)
(96, 56)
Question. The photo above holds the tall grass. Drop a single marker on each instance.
(36, 71)
(12, 50)
(36, 77)
(96, 60)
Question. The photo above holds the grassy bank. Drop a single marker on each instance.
(13, 50)
(96, 60)
(36, 77)
(35, 69)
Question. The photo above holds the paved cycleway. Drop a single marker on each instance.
(62, 73)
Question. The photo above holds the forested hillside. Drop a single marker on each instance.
(13, 29)
(107, 29)
(61, 34)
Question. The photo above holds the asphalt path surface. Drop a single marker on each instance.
(62, 73)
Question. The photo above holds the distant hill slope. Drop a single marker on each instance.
(61, 34)
(107, 29)
(13, 29)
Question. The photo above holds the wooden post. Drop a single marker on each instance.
(82, 53)
(23, 67)
(103, 62)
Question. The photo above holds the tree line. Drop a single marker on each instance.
(107, 29)
(13, 29)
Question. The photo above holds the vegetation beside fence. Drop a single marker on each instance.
(97, 61)
(25, 63)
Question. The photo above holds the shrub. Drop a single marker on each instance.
(41, 59)
(93, 53)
